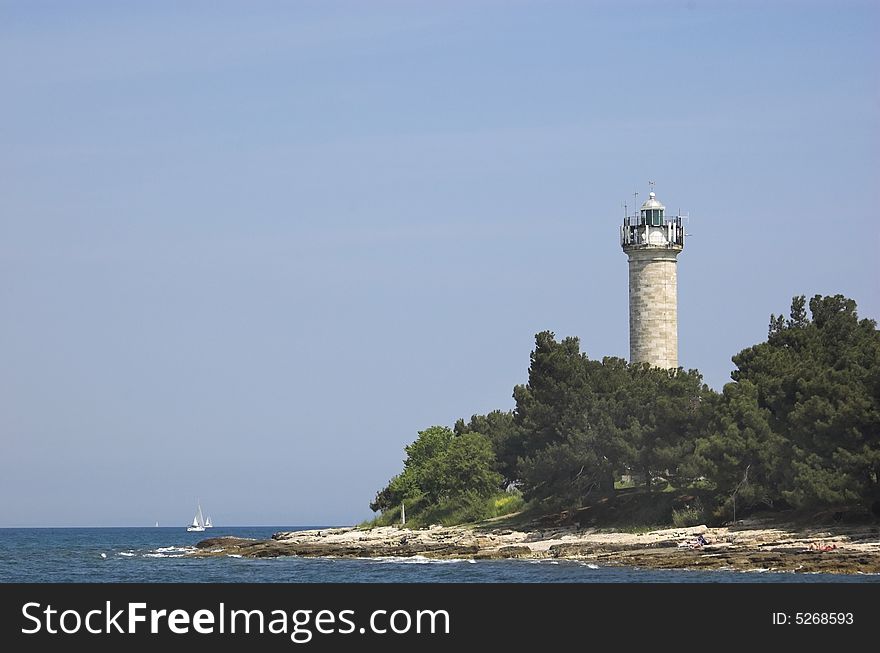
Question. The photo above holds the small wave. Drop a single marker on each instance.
(127, 554)
(418, 560)
(543, 562)
(174, 549)
(169, 552)
(233, 555)
(590, 565)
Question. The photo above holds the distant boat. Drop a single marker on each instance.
(198, 522)
(208, 523)
(157, 524)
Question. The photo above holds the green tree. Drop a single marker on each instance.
(465, 468)
(552, 404)
(442, 467)
(800, 423)
(818, 379)
(567, 473)
(584, 421)
(421, 456)
(660, 413)
(504, 436)
(740, 453)
(400, 488)
(569, 442)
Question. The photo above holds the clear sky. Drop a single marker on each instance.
(249, 249)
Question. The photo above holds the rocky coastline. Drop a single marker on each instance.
(747, 546)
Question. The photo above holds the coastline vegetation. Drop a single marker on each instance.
(604, 442)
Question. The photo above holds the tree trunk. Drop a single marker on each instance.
(608, 483)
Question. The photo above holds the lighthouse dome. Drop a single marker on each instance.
(652, 211)
(652, 202)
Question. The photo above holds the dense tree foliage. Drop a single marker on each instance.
(662, 412)
(799, 425)
(568, 445)
(504, 436)
(743, 457)
(442, 466)
(587, 422)
(815, 383)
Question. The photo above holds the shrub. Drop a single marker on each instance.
(692, 514)
(508, 503)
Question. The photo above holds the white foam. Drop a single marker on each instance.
(233, 555)
(418, 560)
(175, 549)
(169, 552)
(540, 561)
(127, 554)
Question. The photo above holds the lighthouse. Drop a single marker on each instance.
(652, 241)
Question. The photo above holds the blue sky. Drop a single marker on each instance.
(248, 250)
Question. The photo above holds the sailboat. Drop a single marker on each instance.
(198, 523)
(208, 523)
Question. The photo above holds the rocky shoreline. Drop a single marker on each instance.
(751, 546)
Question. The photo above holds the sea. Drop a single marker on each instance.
(158, 555)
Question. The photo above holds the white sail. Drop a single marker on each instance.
(198, 522)
(208, 523)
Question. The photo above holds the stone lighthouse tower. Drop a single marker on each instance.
(653, 241)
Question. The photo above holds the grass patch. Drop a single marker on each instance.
(466, 510)
(508, 503)
(632, 510)
(471, 509)
(691, 514)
